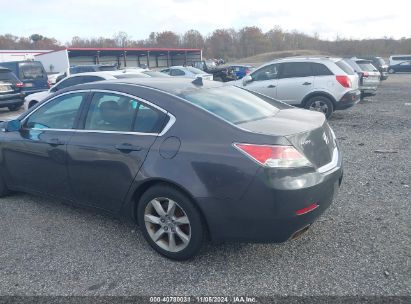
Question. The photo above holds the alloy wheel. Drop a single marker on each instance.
(319, 106)
(167, 224)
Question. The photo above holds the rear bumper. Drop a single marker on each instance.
(267, 211)
(11, 99)
(348, 100)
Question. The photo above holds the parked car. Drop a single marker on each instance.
(370, 79)
(380, 64)
(33, 99)
(401, 67)
(77, 69)
(223, 74)
(320, 84)
(30, 73)
(368, 82)
(241, 70)
(263, 171)
(186, 72)
(397, 59)
(11, 95)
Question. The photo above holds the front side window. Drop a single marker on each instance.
(296, 69)
(267, 72)
(59, 113)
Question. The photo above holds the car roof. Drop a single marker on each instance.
(172, 85)
(305, 58)
(105, 74)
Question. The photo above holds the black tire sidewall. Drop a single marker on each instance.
(324, 99)
(194, 216)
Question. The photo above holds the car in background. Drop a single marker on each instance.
(263, 171)
(380, 64)
(33, 99)
(11, 95)
(367, 84)
(186, 72)
(77, 69)
(318, 83)
(30, 73)
(401, 67)
(397, 59)
(370, 77)
(241, 70)
(220, 73)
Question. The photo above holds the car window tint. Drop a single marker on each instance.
(345, 67)
(69, 82)
(296, 69)
(366, 66)
(231, 103)
(176, 72)
(320, 69)
(148, 120)
(59, 113)
(266, 73)
(111, 112)
(8, 76)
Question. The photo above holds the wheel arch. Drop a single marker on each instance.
(319, 93)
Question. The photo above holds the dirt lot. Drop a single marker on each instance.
(361, 245)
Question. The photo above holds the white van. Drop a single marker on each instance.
(396, 59)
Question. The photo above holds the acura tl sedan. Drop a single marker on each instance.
(189, 161)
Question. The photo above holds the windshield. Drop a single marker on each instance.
(232, 104)
(194, 70)
(33, 70)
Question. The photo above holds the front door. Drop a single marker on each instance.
(264, 81)
(105, 155)
(296, 81)
(35, 157)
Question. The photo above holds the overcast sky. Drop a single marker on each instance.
(63, 19)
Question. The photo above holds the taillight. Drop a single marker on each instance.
(19, 85)
(49, 83)
(274, 156)
(365, 74)
(247, 71)
(344, 81)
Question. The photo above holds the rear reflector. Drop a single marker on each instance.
(274, 156)
(344, 81)
(307, 209)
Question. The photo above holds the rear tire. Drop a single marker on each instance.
(4, 191)
(320, 104)
(14, 107)
(170, 222)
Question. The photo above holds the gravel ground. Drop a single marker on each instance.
(361, 245)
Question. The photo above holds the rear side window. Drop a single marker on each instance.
(296, 69)
(231, 104)
(32, 71)
(267, 72)
(345, 67)
(320, 69)
(177, 72)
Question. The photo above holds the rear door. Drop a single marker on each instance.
(264, 80)
(107, 152)
(295, 82)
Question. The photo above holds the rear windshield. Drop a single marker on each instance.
(232, 104)
(83, 69)
(366, 66)
(7, 76)
(345, 67)
(155, 74)
(32, 70)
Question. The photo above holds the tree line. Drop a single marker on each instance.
(225, 43)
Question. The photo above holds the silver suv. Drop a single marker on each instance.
(320, 84)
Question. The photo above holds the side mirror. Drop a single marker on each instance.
(247, 79)
(12, 125)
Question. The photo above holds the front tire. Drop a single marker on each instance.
(170, 222)
(320, 104)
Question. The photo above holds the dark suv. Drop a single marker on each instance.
(11, 95)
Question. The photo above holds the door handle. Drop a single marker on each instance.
(55, 142)
(271, 86)
(306, 83)
(126, 147)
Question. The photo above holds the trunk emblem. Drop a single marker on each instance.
(327, 141)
